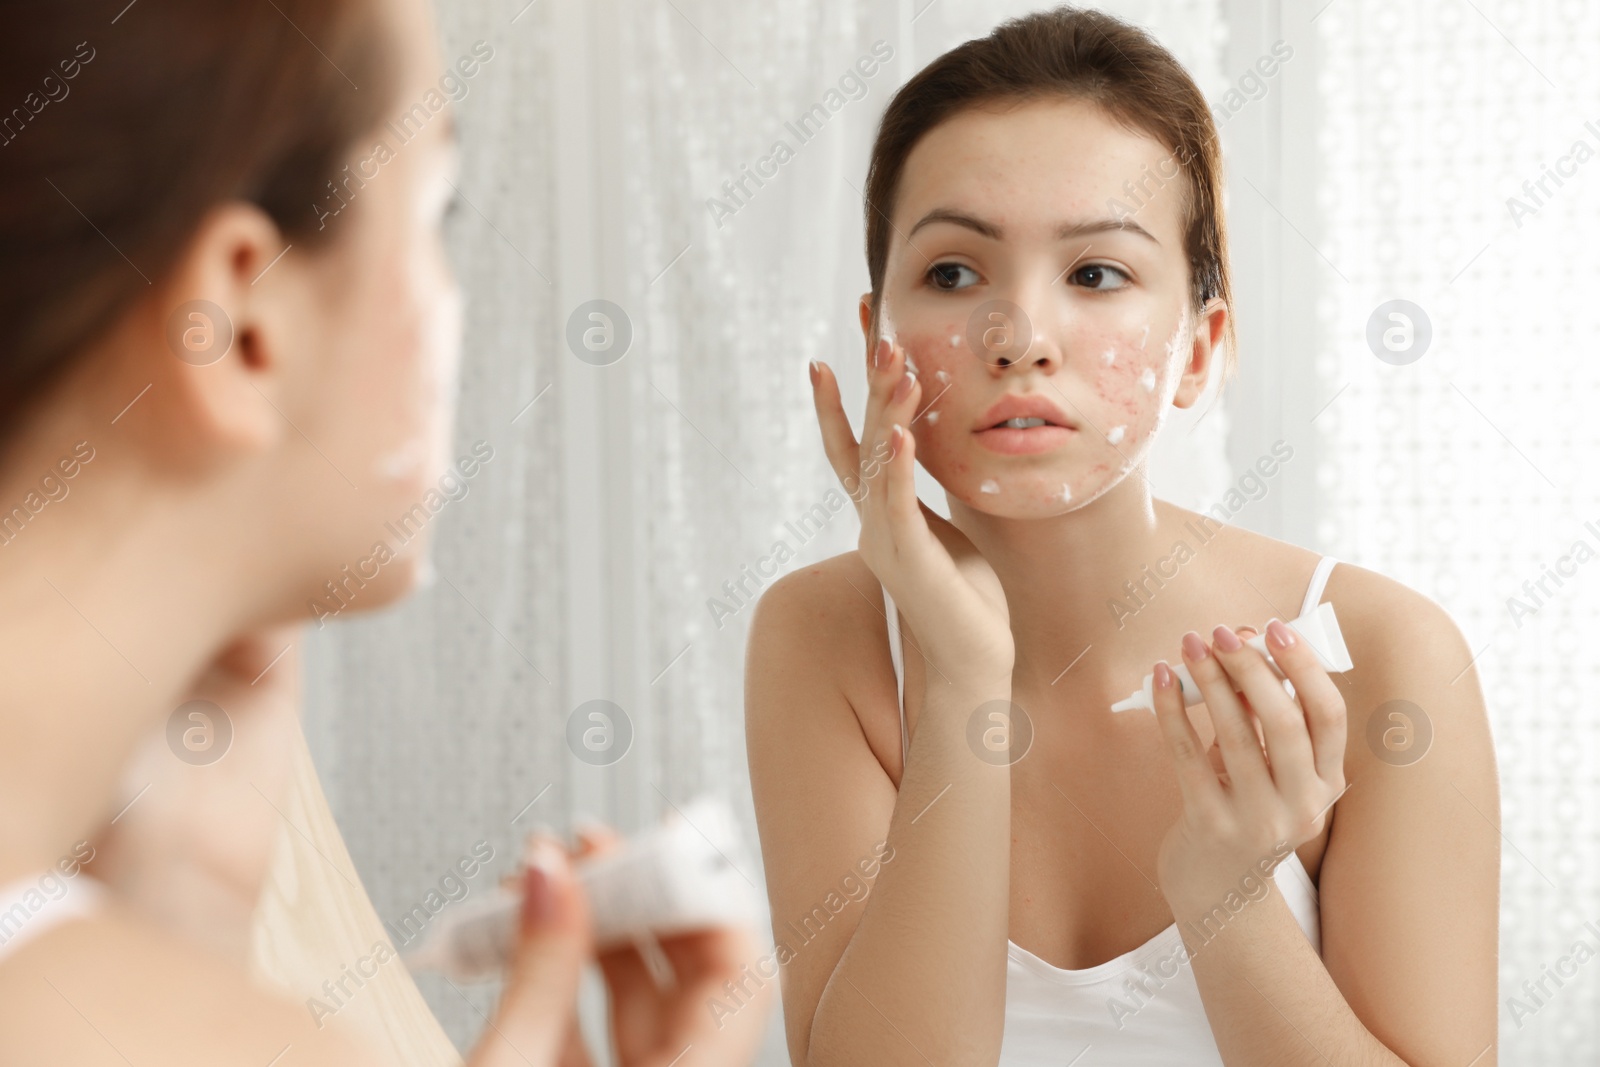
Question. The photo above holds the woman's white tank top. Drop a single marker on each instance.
(1141, 1008)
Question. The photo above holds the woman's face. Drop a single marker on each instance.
(1008, 276)
(381, 388)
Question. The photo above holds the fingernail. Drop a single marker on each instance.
(1226, 639)
(1279, 634)
(1163, 675)
(1193, 647)
(816, 374)
(530, 842)
(897, 434)
(903, 390)
(544, 862)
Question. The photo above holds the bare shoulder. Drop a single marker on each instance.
(110, 989)
(834, 599)
(1409, 658)
(827, 617)
(1414, 691)
(818, 648)
(1401, 641)
(1394, 625)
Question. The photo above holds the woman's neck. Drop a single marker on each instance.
(1103, 583)
(114, 597)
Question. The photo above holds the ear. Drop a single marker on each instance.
(223, 310)
(1203, 352)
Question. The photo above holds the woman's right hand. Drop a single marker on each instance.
(536, 1023)
(950, 595)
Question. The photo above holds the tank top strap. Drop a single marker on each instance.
(897, 657)
(1319, 579)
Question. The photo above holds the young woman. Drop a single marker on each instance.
(1264, 879)
(228, 358)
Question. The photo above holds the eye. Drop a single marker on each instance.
(1097, 273)
(947, 276)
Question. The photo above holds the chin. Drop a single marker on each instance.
(403, 576)
(374, 579)
(1030, 494)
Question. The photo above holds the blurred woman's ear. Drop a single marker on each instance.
(273, 123)
(215, 336)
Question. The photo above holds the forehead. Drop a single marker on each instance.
(1031, 166)
(419, 64)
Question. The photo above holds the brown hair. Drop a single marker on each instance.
(122, 126)
(1080, 54)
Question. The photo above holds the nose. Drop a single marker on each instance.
(1011, 337)
(1041, 353)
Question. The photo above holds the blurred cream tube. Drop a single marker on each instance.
(677, 877)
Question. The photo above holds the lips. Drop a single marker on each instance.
(1056, 430)
(1024, 406)
(1021, 441)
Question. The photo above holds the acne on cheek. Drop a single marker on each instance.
(937, 449)
(1135, 369)
(1126, 375)
(928, 355)
(1129, 371)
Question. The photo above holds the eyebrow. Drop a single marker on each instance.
(1065, 231)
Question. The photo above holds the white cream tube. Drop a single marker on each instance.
(677, 877)
(1317, 627)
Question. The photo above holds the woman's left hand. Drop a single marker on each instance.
(1281, 763)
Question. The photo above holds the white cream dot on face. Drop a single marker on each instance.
(1115, 436)
(1144, 337)
(1108, 357)
(1148, 380)
(943, 376)
(403, 462)
(955, 339)
(1066, 491)
(989, 486)
(932, 416)
(911, 364)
